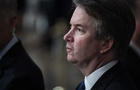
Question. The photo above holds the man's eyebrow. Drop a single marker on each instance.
(79, 25)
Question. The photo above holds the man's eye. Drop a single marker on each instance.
(79, 29)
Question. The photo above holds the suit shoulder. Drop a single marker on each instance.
(115, 79)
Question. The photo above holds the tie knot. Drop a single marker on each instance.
(82, 86)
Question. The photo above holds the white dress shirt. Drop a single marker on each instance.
(91, 79)
(8, 46)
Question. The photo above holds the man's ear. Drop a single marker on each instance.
(106, 45)
(13, 21)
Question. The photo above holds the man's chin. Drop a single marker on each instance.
(71, 61)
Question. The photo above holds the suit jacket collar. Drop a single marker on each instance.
(10, 44)
(9, 58)
(103, 82)
(106, 78)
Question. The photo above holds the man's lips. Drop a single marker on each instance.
(68, 49)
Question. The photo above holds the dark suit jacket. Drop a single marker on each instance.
(131, 63)
(19, 72)
(114, 79)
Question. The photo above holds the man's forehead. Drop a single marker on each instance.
(80, 16)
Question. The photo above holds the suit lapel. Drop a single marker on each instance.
(9, 58)
(107, 77)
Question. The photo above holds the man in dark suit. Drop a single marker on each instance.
(17, 70)
(99, 35)
(132, 56)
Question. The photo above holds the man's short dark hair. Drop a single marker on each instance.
(113, 19)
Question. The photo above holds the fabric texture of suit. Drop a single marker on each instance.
(131, 63)
(19, 72)
(114, 79)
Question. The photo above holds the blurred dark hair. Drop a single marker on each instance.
(132, 4)
(8, 7)
(21, 6)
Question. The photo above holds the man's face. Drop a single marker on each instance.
(82, 47)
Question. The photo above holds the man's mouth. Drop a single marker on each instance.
(68, 49)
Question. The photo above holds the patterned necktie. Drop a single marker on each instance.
(82, 86)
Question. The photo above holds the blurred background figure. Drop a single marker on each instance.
(132, 57)
(17, 70)
(42, 26)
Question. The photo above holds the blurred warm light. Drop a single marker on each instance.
(58, 88)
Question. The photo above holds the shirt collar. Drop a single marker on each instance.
(94, 76)
(8, 46)
(135, 48)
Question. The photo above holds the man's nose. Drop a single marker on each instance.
(69, 36)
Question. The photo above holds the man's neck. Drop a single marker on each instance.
(96, 63)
